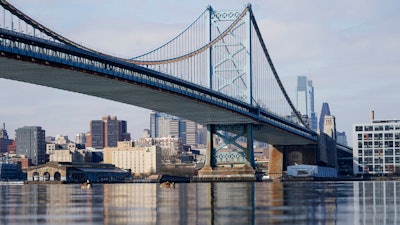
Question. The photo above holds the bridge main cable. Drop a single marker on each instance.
(16, 12)
(198, 51)
(278, 80)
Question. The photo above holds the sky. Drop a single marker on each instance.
(349, 49)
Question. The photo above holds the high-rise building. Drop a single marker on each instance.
(31, 144)
(340, 137)
(80, 138)
(189, 132)
(164, 125)
(305, 101)
(324, 112)
(330, 126)
(107, 132)
(4, 141)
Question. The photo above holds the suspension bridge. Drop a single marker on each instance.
(217, 72)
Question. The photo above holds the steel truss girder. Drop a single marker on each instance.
(230, 135)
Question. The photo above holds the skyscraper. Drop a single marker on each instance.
(164, 125)
(324, 112)
(305, 101)
(189, 132)
(107, 132)
(31, 144)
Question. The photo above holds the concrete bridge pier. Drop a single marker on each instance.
(226, 159)
(323, 153)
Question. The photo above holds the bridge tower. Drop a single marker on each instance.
(230, 146)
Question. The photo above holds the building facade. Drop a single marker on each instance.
(325, 111)
(189, 132)
(305, 101)
(4, 140)
(164, 125)
(107, 132)
(75, 172)
(376, 147)
(80, 138)
(140, 160)
(31, 144)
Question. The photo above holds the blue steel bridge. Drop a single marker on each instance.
(217, 72)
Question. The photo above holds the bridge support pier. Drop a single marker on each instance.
(275, 165)
(226, 159)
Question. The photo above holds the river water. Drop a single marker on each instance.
(369, 202)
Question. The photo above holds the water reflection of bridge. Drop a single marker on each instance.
(204, 203)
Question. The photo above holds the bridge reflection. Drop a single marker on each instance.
(203, 203)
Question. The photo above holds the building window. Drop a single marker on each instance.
(378, 160)
(379, 128)
(368, 136)
(368, 152)
(359, 128)
(388, 159)
(378, 136)
(378, 144)
(389, 144)
(378, 168)
(389, 127)
(368, 128)
(368, 144)
(378, 152)
(389, 136)
(389, 152)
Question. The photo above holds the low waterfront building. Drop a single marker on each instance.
(11, 171)
(376, 147)
(77, 172)
(171, 147)
(140, 160)
(67, 153)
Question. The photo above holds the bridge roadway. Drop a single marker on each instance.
(143, 87)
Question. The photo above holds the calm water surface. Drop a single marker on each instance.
(203, 203)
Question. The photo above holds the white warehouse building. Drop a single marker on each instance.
(140, 160)
(376, 147)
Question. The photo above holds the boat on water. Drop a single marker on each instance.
(86, 185)
(167, 184)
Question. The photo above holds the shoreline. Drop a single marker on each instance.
(196, 179)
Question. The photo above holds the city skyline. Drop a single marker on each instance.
(346, 47)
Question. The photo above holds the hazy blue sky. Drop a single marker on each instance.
(350, 49)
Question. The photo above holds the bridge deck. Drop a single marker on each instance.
(104, 86)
